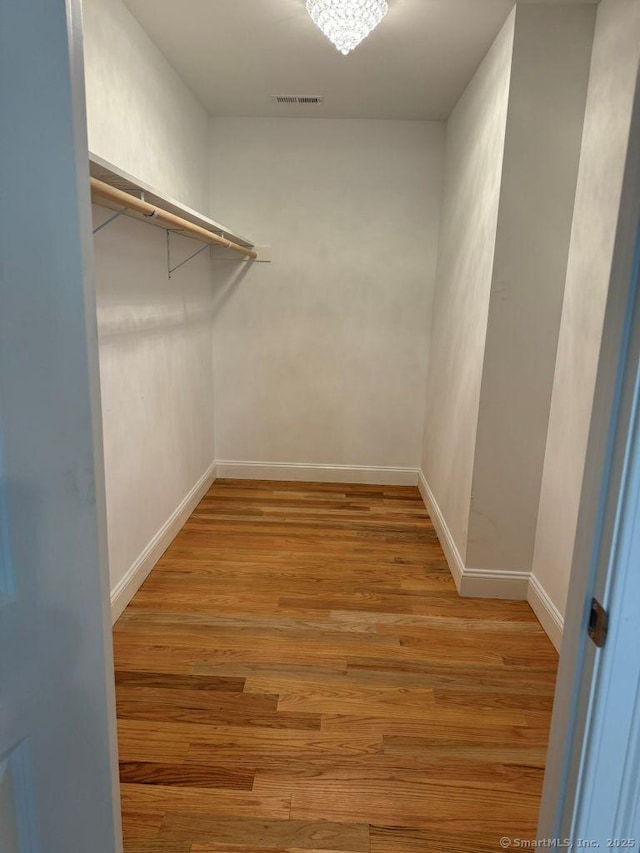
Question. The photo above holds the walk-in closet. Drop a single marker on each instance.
(315, 338)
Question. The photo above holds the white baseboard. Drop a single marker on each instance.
(472, 583)
(486, 583)
(548, 614)
(454, 559)
(137, 574)
(317, 473)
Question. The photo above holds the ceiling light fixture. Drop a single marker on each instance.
(347, 22)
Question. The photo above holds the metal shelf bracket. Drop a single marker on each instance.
(109, 220)
(170, 269)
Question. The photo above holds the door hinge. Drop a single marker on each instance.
(598, 623)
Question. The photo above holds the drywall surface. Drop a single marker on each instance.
(549, 78)
(156, 374)
(614, 69)
(473, 165)
(141, 116)
(321, 356)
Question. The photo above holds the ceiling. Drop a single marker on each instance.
(235, 54)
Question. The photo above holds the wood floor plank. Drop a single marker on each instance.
(417, 704)
(185, 775)
(383, 622)
(146, 742)
(456, 738)
(140, 826)
(381, 774)
(212, 700)
(318, 835)
(141, 709)
(146, 680)
(391, 839)
(299, 675)
(421, 806)
(426, 733)
(303, 636)
(182, 659)
(438, 675)
(274, 667)
(252, 848)
(204, 801)
(260, 746)
(155, 846)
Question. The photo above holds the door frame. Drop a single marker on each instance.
(50, 367)
(75, 30)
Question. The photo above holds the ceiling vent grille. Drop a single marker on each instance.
(298, 99)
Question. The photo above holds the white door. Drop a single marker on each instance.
(58, 787)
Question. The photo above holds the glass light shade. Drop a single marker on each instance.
(347, 22)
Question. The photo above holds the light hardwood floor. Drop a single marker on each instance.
(298, 673)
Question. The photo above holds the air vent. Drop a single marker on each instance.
(298, 99)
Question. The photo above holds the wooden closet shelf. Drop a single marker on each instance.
(113, 188)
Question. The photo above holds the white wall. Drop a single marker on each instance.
(321, 356)
(473, 168)
(141, 116)
(156, 363)
(612, 82)
(156, 372)
(512, 154)
(549, 78)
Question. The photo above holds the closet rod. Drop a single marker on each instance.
(106, 191)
